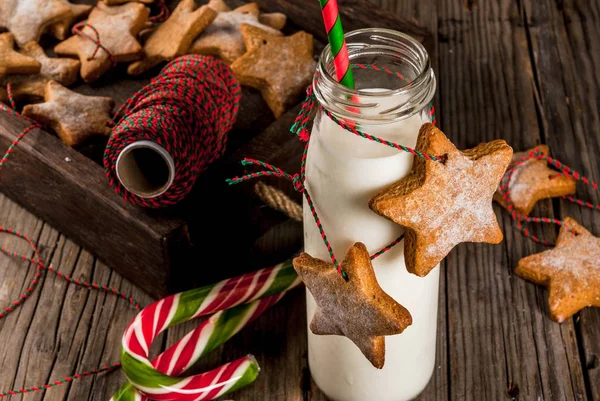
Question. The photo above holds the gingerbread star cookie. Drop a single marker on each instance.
(117, 28)
(356, 308)
(72, 116)
(281, 67)
(273, 20)
(27, 19)
(12, 62)
(571, 271)
(62, 70)
(223, 38)
(532, 180)
(443, 203)
(62, 29)
(174, 37)
(219, 5)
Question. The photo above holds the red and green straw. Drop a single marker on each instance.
(335, 35)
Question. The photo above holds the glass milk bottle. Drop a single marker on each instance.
(343, 171)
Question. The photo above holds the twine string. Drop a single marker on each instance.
(300, 128)
(300, 125)
(78, 30)
(163, 13)
(188, 109)
(41, 268)
(562, 170)
(298, 181)
(278, 200)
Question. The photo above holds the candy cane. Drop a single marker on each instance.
(233, 303)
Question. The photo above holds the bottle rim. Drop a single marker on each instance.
(348, 103)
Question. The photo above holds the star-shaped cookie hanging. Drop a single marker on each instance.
(74, 117)
(12, 62)
(27, 19)
(281, 67)
(443, 203)
(173, 37)
(356, 308)
(531, 181)
(62, 29)
(571, 271)
(223, 38)
(117, 28)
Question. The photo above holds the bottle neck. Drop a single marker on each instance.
(393, 75)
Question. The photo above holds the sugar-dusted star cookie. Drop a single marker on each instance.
(12, 62)
(571, 271)
(27, 19)
(532, 180)
(274, 20)
(442, 204)
(174, 37)
(62, 70)
(117, 28)
(281, 67)
(62, 29)
(223, 38)
(72, 116)
(356, 308)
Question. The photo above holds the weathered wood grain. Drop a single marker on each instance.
(527, 71)
(501, 340)
(61, 329)
(564, 43)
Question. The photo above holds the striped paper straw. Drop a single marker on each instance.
(335, 35)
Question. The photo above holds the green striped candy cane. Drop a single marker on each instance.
(233, 303)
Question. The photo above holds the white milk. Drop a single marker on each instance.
(343, 172)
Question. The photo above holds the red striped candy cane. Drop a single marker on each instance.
(233, 303)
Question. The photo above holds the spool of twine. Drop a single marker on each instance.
(171, 130)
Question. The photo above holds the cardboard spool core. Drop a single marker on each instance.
(145, 169)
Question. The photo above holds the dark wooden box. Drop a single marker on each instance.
(214, 232)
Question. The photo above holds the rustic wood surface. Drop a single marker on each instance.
(524, 70)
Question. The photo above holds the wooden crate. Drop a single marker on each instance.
(213, 232)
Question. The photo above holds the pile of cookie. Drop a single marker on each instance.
(122, 31)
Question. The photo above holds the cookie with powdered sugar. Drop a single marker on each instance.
(74, 117)
(223, 37)
(354, 307)
(571, 271)
(281, 67)
(11, 61)
(117, 28)
(443, 203)
(62, 70)
(27, 19)
(531, 180)
(173, 37)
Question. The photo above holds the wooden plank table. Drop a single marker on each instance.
(527, 71)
